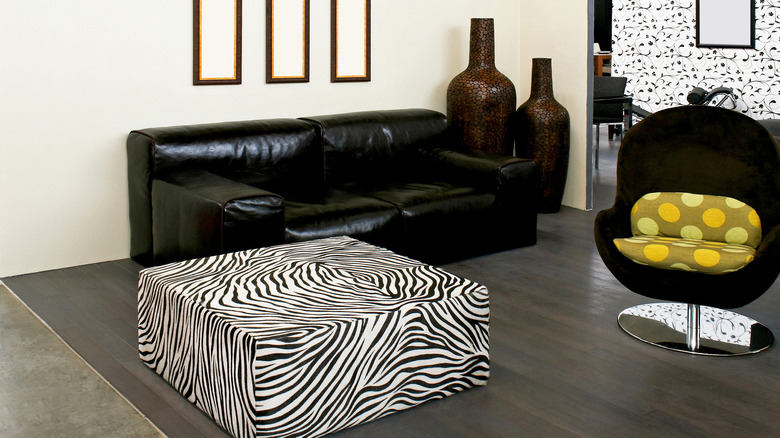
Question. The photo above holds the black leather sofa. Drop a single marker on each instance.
(386, 177)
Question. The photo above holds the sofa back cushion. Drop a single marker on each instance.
(376, 145)
(263, 153)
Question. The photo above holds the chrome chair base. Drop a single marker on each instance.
(694, 329)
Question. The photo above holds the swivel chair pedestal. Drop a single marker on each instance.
(695, 329)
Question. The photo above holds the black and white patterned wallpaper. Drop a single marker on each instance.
(654, 45)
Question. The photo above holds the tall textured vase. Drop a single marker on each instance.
(542, 133)
(481, 100)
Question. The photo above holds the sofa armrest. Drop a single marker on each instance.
(513, 180)
(480, 168)
(197, 214)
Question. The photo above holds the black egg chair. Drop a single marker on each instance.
(708, 151)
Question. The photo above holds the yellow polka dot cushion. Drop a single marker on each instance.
(691, 232)
(686, 254)
(692, 216)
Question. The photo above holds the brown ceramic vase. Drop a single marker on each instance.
(481, 100)
(542, 134)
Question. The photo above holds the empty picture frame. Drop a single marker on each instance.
(725, 23)
(350, 40)
(286, 41)
(217, 42)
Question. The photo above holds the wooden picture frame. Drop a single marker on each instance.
(350, 36)
(726, 24)
(216, 42)
(286, 41)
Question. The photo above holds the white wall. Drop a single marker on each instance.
(78, 76)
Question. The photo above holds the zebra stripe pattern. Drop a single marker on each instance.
(306, 339)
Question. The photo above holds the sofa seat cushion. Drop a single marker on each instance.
(686, 254)
(421, 201)
(333, 212)
(442, 221)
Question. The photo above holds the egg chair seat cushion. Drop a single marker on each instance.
(686, 254)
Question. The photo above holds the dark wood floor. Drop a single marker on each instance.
(560, 365)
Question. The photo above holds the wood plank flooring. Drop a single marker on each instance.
(560, 365)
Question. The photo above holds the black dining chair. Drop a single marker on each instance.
(611, 106)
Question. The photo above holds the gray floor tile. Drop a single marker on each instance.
(47, 390)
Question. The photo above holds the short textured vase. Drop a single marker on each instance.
(481, 100)
(542, 133)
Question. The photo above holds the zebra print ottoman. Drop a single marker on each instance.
(310, 338)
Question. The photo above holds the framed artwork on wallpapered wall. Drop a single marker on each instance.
(287, 41)
(350, 40)
(725, 23)
(216, 42)
(654, 46)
